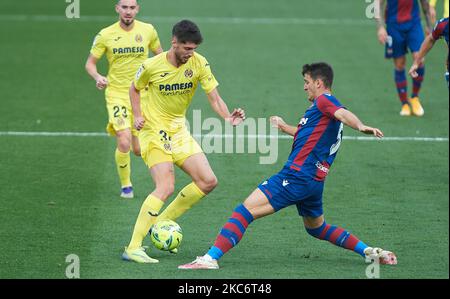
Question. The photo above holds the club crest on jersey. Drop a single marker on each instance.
(188, 73)
(138, 38)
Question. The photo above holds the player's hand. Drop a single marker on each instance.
(139, 122)
(371, 131)
(413, 70)
(382, 35)
(101, 82)
(236, 117)
(277, 122)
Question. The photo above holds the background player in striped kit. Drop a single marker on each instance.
(404, 30)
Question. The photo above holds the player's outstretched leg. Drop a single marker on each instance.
(229, 236)
(342, 238)
(255, 206)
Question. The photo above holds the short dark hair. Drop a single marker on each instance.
(118, 1)
(187, 31)
(319, 70)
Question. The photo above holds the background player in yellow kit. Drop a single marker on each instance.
(126, 44)
(433, 10)
(172, 78)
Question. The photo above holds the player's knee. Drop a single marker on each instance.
(316, 232)
(123, 144)
(312, 233)
(164, 192)
(208, 184)
(400, 65)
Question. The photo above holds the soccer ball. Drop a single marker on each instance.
(166, 235)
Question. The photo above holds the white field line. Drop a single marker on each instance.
(208, 20)
(249, 136)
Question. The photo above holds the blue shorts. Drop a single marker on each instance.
(286, 188)
(403, 36)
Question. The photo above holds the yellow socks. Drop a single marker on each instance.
(148, 215)
(123, 167)
(187, 197)
(146, 218)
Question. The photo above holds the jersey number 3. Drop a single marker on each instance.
(334, 148)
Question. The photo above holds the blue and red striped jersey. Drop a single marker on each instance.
(441, 30)
(317, 139)
(401, 11)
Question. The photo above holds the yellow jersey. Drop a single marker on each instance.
(125, 51)
(170, 89)
(446, 8)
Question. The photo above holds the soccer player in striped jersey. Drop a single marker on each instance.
(404, 30)
(126, 44)
(317, 139)
(439, 31)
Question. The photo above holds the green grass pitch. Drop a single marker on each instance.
(59, 195)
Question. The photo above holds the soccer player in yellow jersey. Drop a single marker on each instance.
(172, 78)
(126, 44)
(433, 10)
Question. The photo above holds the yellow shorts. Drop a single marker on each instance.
(159, 146)
(120, 115)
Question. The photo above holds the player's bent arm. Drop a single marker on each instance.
(426, 12)
(281, 125)
(351, 120)
(426, 46)
(379, 18)
(381, 31)
(135, 98)
(91, 69)
(290, 130)
(221, 108)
